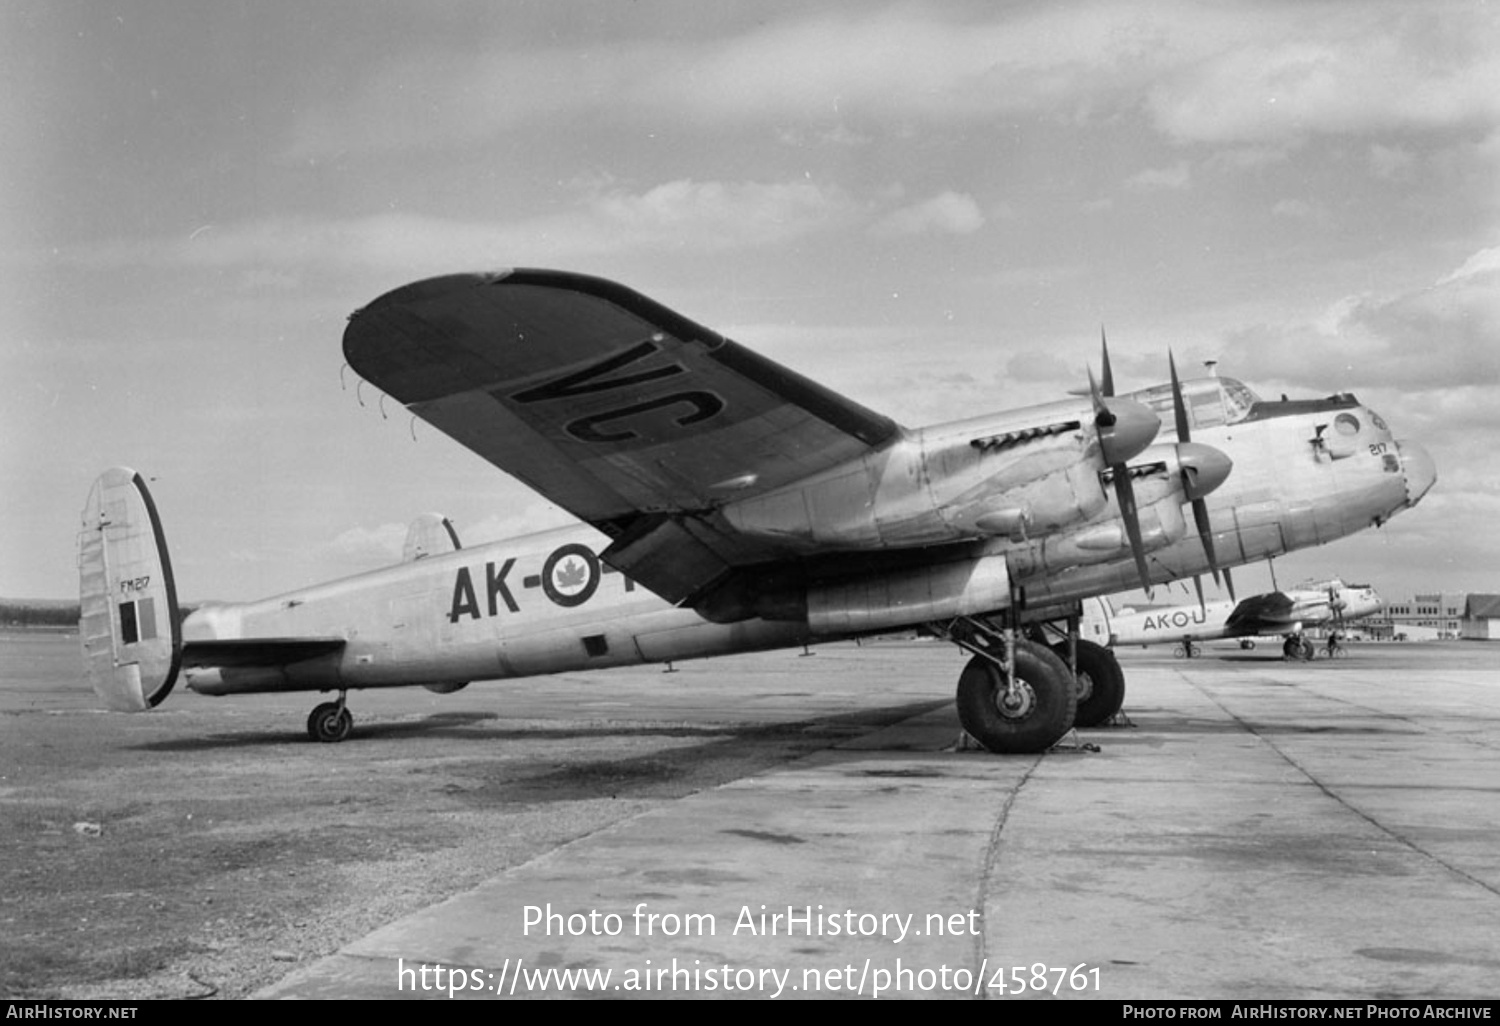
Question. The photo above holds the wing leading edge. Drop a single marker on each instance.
(628, 415)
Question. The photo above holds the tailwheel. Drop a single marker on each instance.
(330, 722)
(1101, 684)
(1031, 714)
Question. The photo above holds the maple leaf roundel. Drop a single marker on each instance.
(571, 575)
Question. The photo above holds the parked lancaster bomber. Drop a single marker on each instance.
(730, 504)
(1276, 613)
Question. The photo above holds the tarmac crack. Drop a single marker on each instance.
(1285, 757)
(992, 856)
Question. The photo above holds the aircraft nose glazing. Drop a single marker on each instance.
(1419, 470)
(1206, 467)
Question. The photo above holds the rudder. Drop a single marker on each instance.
(128, 621)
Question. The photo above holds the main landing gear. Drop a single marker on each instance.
(1297, 648)
(1020, 694)
(330, 721)
(1014, 696)
(1101, 682)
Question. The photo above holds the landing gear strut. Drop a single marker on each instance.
(330, 721)
(1015, 696)
(1101, 682)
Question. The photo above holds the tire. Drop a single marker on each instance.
(1101, 685)
(1049, 702)
(329, 723)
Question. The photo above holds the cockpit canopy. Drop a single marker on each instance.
(1210, 402)
(1215, 401)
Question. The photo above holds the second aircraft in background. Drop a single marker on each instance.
(1277, 613)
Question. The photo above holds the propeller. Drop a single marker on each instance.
(1120, 427)
(1196, 484)
(1336, 605)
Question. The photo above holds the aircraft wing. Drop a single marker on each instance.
(1262, 614)
(628, 415)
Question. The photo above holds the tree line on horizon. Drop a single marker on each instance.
(42, 613)
(38, 614)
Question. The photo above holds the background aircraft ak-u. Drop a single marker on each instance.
(1275, 613)
(731, 504)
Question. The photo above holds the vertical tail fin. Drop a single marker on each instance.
(128, 617)
(429, 535)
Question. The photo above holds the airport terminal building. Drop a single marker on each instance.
(1437, 615)
(1481, 620)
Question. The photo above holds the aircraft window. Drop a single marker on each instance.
(1346, 424)
(1210, 401)
(1206, 404)
(1237, 400)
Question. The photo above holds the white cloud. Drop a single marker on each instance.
(718, 215)
(1259, 74)
(1391, 162)
(687, 215)
(1438, 337)
(948, 213)
(1317, 69)
(1299, 210)
(1178, 176)
(370, 546)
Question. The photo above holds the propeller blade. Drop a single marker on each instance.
(1229, 585)
(1109, 374)
(1198, 586)
(1125, 492)
(1206, 533)
(1179, 407)
(1200, 508)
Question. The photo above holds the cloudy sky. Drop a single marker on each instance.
(930, 207)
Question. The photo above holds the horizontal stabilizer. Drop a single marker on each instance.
(246, 652)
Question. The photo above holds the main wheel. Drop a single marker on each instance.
(1101, 683)
(329, 722)
(1029, 719)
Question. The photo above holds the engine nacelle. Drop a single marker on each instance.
(1165, 477)
(906, 597)
(965, 481)
(446, 688)
(896, 596)
(1162, 524)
